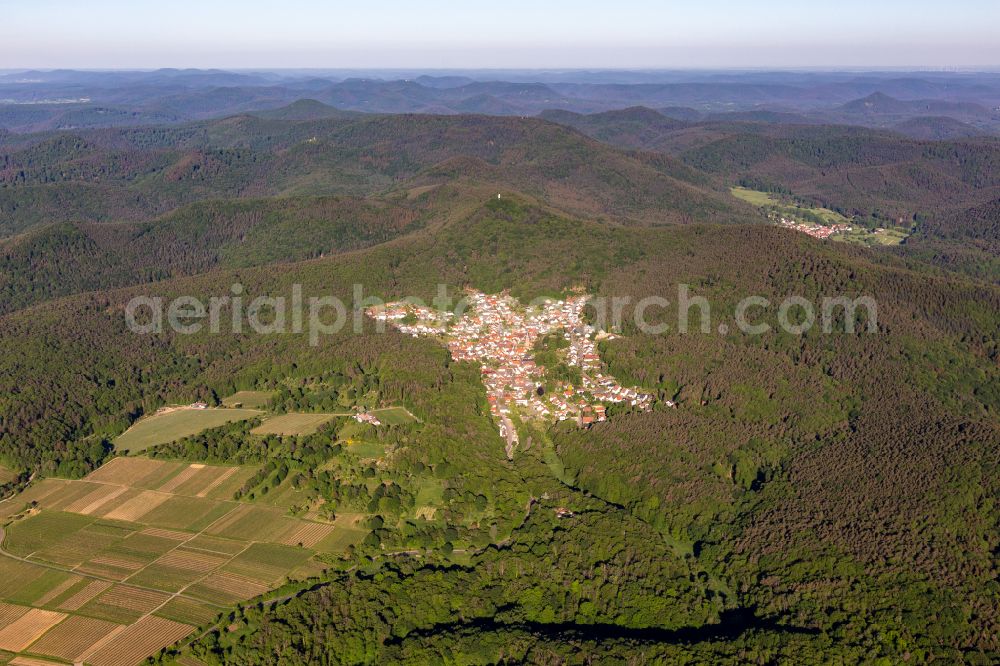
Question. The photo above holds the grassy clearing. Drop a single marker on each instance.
(173, 425)
(287, 425)
(284, 495)
(790, 210)
(430, 492)
(352, 431)
(349, 530)
(249, 399)
(880, 237)
(366, 449)
(395, 416)
(754, 197)
(828, 216)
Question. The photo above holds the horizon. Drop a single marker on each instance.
(399, 69)
(637, 35)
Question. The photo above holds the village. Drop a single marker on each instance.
(814, 230)
(500, 334)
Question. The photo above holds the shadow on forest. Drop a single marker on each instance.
(732, 624)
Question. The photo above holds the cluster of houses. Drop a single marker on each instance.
(412, 319)
(367, 417)
(499, 334)
(814, 230)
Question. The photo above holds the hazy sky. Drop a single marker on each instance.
(508, 33)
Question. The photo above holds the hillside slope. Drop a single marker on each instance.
(126, 175)
(937, 177)
(69, 258)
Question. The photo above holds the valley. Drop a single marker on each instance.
(821, 223)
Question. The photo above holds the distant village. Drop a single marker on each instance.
(501, 335)
(814, 230)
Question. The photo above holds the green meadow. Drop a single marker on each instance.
(173, 425)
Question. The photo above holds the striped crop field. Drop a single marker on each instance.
(109, 569)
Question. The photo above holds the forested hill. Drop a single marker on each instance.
(256, 188)
(134, 174)
(850, 169)
(68, 258)
(880, 177)
(836, 487)
(113, 207)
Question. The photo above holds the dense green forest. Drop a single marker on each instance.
(133, 174)
(69, 258)
(107, 208)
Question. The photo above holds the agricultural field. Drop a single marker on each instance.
(109, 569)
(287, 425)
(248, 399)
(6, 475)
(174, 423)
(349, 532)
